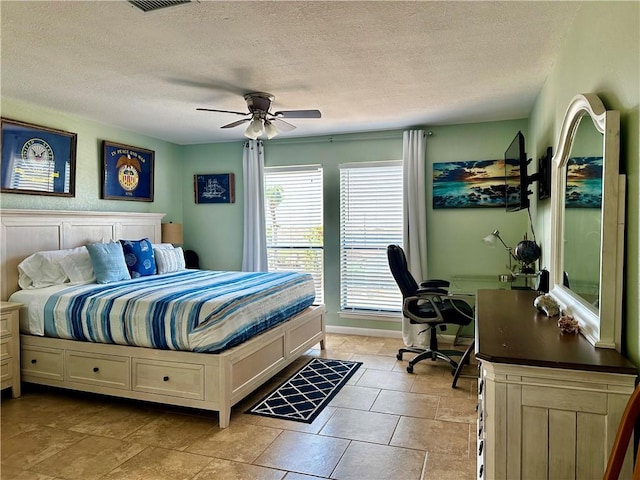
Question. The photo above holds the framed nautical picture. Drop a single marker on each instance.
(127, 172)
(37, 160)
(214, 188)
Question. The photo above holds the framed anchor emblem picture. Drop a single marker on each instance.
(214, 188)
(37, 160)
(127, 172)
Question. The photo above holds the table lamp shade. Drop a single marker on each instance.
(172, 233)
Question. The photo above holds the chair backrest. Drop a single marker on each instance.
(628, 421)
(191, 259)
(400, 271)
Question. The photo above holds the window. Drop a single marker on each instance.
(293, 220)
(370, 219)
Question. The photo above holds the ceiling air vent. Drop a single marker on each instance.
(150, 5)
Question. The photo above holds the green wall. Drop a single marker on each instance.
(167, 190)
(214, 231)
(455, 235)
(601, 55)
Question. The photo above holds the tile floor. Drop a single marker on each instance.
(384, 424)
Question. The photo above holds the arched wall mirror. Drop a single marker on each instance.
(587, 220)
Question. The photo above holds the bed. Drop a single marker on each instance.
(190, 366)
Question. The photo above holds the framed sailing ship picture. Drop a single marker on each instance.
(214, 188)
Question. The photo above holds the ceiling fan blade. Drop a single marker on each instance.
(222, 111)
(209, 84)
(298, 114)
(283, 126)
(236, 123)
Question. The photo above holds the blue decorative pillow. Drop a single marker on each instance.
(138, 255)
(108, 262)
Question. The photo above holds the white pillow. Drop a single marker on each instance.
(43, 269)
(166, 246)
(168, 261)
(78, 267)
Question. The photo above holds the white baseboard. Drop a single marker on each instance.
(376, 332)
(366, 332)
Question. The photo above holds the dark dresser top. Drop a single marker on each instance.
(509, 329)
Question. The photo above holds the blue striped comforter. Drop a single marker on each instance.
(191, 310)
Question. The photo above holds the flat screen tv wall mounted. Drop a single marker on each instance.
(516, 179)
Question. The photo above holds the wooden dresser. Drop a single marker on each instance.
(10, 347)
(549, 404)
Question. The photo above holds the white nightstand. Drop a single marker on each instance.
(10, 347)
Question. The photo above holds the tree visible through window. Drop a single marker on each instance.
(293, 220)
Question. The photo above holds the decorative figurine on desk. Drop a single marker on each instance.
(568, 324)
(522, 258)
(546, 303)
(527, 251)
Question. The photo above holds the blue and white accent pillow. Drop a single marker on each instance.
(138, 255)
(108, 262)
(169, 260)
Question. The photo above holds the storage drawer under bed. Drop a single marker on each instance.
(184, 380)
(42, 362)
(96, 369)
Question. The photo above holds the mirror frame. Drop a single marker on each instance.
(601, 327)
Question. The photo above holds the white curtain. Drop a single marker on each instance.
(415, 220)
(254, 252)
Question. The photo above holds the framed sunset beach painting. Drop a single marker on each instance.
(584, 182)
(471, 184)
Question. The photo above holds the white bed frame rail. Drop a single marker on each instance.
(213, 382)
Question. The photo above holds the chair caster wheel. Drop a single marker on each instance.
(409, 368)
(399, 356)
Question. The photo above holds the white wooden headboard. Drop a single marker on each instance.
(28, 231)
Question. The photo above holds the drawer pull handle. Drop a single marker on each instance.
(480, 387)
(96, 369)
(480, 448)
(166, 379)
(481, 470)
(34, 361)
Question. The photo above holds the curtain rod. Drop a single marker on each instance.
(346, 137)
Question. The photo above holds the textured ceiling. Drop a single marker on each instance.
(366, 65)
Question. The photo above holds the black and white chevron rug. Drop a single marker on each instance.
(307, 392)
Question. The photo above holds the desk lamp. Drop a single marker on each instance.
(526, 252)
(491, 240)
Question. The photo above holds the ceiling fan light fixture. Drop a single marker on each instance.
(255, 129)
(270, 129)
(261, 119)
(250, 135)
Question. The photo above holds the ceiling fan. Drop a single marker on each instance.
(261, 119)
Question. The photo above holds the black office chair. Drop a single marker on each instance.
(429, 304)
(191, 259)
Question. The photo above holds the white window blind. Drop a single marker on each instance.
(294, 216)
(370, 220)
